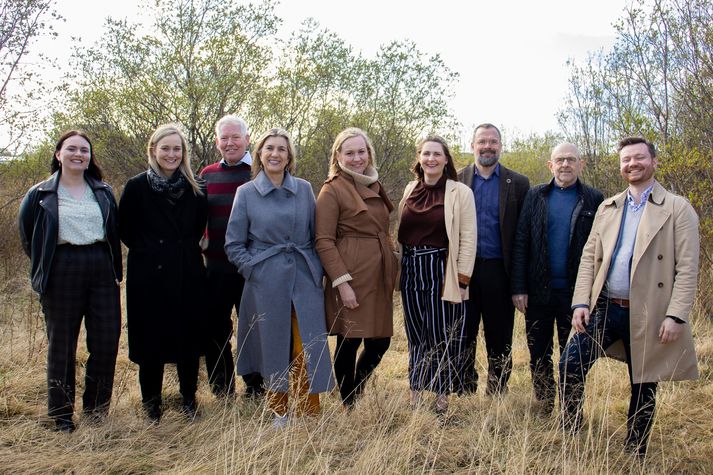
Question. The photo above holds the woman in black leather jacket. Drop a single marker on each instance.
(68, 228)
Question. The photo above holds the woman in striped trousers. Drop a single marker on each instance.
(437, 237)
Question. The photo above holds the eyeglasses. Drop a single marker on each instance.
(561, 160)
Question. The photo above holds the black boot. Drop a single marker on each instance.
(64, 424)
(254, 388)
(190, 408)
(152, 408)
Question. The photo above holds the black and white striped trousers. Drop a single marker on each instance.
(435, 328)
(81, 285)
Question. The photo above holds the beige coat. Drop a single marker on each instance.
(664, 272)
(459, 214)
(352, 238)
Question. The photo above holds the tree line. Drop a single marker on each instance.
(192, 61)
(200, 60)
(656, 81)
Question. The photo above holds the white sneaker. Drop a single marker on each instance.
(279, 422)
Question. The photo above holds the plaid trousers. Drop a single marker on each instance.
(81, 285)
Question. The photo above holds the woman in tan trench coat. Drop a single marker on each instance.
(357, 254)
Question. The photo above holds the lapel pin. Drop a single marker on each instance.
(508, 180)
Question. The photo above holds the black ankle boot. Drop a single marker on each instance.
(152, 408)
(64, 424)
(190, 408)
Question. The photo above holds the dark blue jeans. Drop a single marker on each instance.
(609, 323)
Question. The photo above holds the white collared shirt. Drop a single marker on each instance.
(247, 160)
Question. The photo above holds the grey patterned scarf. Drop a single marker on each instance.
(171, 188)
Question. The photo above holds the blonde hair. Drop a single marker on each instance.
(342, 137)
(291, 152)
(159, 134)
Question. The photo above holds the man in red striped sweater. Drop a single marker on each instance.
(225, 283)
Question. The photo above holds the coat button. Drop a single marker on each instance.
(659, 257)
(159, 267)
(289, 261)
(660, 284)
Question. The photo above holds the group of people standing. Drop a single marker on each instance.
(470, 246)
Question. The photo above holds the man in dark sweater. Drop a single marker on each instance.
(222, 179)
(553, 227)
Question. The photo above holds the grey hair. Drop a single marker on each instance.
(231, 119)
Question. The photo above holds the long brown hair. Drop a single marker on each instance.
(449, 170)
(93, 170)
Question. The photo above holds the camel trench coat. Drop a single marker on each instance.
(353, 238)
(664, 272)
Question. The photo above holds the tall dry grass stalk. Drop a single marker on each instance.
(380, 435)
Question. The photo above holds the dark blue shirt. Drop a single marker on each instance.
(560, 206)
(486, 192)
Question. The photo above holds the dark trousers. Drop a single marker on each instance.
(151, 380)
(490, 301)
(81, 285)
(225, 291)
(540, 324)
(352, 374)
(609, 323)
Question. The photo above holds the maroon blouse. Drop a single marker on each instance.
(422, 219)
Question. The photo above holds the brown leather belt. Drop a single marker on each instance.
(623, 303)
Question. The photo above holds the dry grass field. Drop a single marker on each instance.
(381, 435)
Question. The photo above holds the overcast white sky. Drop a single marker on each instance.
(510, 54)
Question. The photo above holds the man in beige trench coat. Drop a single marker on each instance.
(638, 276)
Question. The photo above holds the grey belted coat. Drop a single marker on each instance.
(270, 239)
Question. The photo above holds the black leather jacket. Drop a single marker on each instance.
(39, 226)
(530, 260)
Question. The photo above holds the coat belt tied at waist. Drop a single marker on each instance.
(266, 251)
(386, 255)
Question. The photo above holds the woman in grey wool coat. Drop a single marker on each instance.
(270, 239)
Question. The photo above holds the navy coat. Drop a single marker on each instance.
(270, 239)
